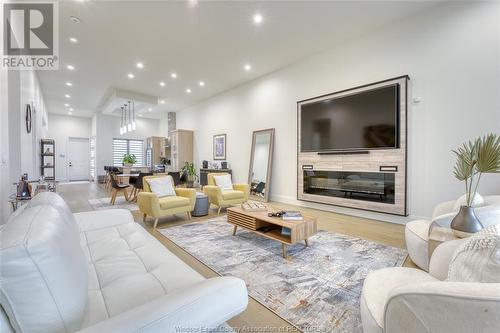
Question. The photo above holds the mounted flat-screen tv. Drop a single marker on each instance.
(364, 120)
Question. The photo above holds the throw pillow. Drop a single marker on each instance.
(477, 201)
(224, 182)
(478, 259)
(161, 186)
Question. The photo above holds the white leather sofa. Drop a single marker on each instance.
(417, 232)
(101, 272)
(460, 294)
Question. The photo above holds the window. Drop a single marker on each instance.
(127, 146)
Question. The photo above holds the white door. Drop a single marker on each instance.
(78, 159)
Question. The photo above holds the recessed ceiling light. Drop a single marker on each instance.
(69, 84)
(162, 84)
(140, 115)
(201, 83)
(140, 65)
(73, 40)
(70, 113)
(247, 67)
(70, 109)
(70, 67)
(67, 96)
(188, 90)
(66, 104)
(75, 19)
(162, 101)
(150, 109)
(257, 19)
(173, 75)
(130, 75)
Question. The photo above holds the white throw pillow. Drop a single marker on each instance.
(224, 182)
(161, 186)
(478, 259)
(477, 201)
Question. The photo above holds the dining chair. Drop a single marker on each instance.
(117, 188)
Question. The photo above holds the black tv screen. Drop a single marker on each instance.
(364, 120)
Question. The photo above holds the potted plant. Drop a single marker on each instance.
(190, 172)
(128, 161)
(473, 159)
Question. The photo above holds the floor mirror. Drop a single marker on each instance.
(259, 175)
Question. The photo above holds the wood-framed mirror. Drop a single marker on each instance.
(261, 158)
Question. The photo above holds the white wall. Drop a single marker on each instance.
(61, 128)
(108, 128)
(452, 54)
(20, 149)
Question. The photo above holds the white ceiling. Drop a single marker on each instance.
(208, 41)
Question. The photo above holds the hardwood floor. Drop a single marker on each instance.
(256, 315)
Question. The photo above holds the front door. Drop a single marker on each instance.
(78, 159)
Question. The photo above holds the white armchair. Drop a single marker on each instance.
(417, 232)
(397, 300)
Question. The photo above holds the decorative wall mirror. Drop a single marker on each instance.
(259, 175)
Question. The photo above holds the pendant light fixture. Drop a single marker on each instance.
(133, 115)
(125, 120)
(121, 122)
(129, 118)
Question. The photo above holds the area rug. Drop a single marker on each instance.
(316, 288)
(120, 203)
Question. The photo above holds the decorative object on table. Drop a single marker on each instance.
(201, 206)
(190, 172)
(204, 164)
(28, 118)
(259, 173)
(277, 214)
(219, 148)
(292, 216)
(253, 206)
(128, 161)
(23, 188)
(223, 165)
(330, 283)
(473, 159)
(286, 231)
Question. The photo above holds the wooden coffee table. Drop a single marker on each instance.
(300, 230)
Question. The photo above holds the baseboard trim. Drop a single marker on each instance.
(346, 211)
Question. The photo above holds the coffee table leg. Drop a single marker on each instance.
(283, 248)
(305, 241)
(234, 230)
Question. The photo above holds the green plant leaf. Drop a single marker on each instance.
(488, 154)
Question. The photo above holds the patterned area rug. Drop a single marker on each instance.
(317, 288)
(120, 203)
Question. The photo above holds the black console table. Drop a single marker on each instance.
(205, 172)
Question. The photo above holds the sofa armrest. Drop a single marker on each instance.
(245, 188)
(444, 307)
(205, 305)
(189, 193)
(104, 218)
(214, 194)
(443, 208)
(148, 203)
(441, 258)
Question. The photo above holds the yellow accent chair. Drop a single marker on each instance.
(151, 205)
(219, 198)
